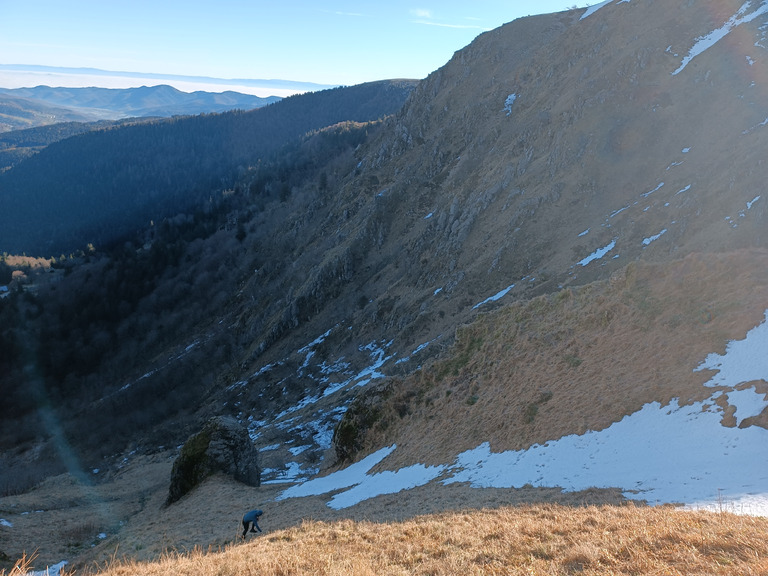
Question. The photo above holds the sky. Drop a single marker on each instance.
(338, 42)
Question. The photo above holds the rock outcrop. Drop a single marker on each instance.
(223, 445)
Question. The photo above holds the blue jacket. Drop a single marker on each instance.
(252, 516)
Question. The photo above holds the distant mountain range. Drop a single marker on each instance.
(17, 113)
(29, 107)
(276, 86)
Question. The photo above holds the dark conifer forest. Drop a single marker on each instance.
(101, 186)
(77, 338)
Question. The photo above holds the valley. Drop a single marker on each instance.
(532, 283)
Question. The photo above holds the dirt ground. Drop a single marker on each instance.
(126, 517)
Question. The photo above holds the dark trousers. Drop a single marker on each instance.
(253, 528)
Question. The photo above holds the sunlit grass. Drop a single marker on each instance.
(540, 539)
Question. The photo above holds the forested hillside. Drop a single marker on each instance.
(78, 333)
(101, 186)
(17, 145)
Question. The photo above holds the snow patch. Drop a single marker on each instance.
(748, 403)
(378, 359)
(386, 482)
(597, 254)
(755, 127)
(498, 296)
(319, 340)
(54, 570)
(592, 9)
(744, 360)
(705, 42)
(635, 454)
(350, 476)
(646, 194)
(619, 211)
(714, 466)
(650, 239)
(291, 473)
(416, 351)
(508, 103)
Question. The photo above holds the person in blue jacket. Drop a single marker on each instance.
(251, 519)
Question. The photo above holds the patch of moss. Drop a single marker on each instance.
(530, 412)
(191, 467)
(572, 360)
(350, 431)
(465, 350)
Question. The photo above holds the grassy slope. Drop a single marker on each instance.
(578, 359)
(540, 539)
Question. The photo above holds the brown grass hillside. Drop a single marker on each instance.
(61, 519)
(531, 540)
(576, 360)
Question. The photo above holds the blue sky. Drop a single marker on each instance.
(332, 42)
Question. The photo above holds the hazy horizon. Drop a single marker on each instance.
(345, 43)
(15, 76)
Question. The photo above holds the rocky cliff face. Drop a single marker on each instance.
(554, 137)
(549, 153)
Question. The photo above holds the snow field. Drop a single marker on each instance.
(661, 454)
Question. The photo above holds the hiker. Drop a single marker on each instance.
(251, 519)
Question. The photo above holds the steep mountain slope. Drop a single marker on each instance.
(605, 155)
(599, 171)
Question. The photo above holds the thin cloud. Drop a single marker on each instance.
(447, 25)
(427, 18)
(339, 13)
(421, 13)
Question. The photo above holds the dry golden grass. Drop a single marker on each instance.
(539, 539)
(576, 360)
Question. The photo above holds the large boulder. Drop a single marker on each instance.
(223, 445)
